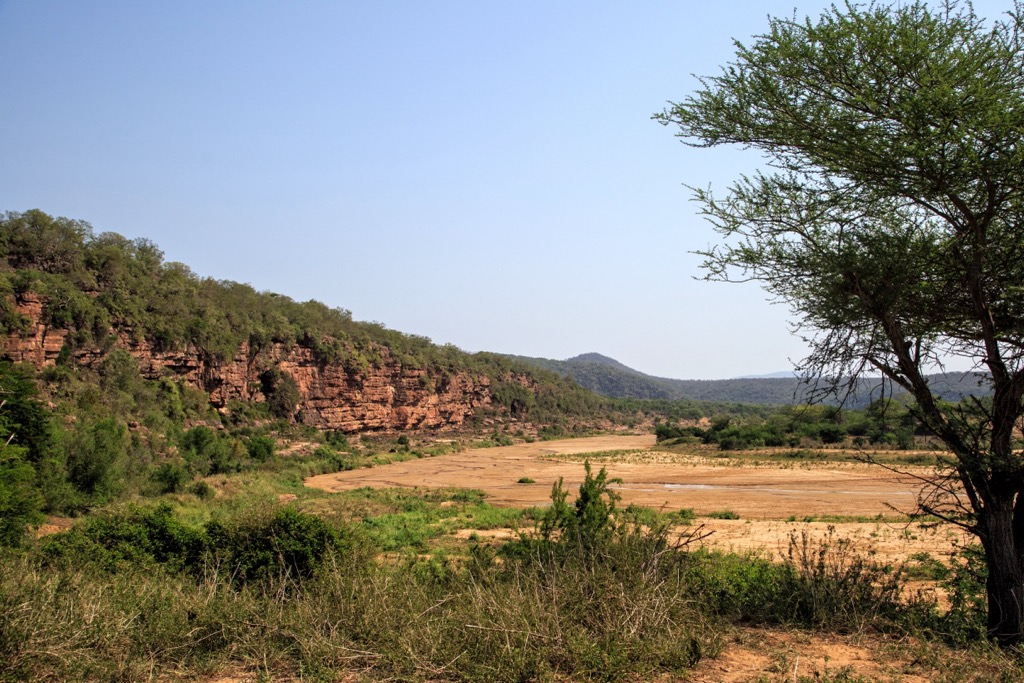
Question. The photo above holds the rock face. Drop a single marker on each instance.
(382, 396)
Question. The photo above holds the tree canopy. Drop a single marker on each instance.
(890, 218)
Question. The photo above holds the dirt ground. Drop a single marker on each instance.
(771, 500)
(764, 495)
(767, 655)
(706, 486)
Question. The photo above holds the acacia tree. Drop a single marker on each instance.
(890, 218)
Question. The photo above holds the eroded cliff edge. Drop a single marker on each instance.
(382, 395)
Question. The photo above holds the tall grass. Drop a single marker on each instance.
(486, 620)
(594, 594)
(821, 584)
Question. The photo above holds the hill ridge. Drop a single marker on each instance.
(606, 376)
(73, 301)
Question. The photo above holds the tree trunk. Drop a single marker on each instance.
(1005, 584)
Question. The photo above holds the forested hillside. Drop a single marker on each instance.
(611, 378)
(123, 374)
(70, 297)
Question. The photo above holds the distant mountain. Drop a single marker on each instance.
(609, 377)
(602, 360)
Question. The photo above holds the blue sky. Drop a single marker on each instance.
(484, 174)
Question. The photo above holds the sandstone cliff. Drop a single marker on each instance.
(382, 396)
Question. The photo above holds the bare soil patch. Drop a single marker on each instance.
(754, 492)
(766, 655)
(886, 542)
(54, 525)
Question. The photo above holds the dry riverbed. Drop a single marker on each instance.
(772, 500)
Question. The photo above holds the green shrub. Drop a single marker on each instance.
(653, 519)
(24, 419)
(94, 453)
(338, 440)
(170, 477)
(644, 516)
(282, 393)
(817, 585)
(326, 459)
(603, 588)
(20, 500)
(207, 452)
(831, 433)
(683, 516)
(286, 545)
(260, 448)
(202, 490)
(829, 585)
(665, 432)
(550, 432)
(590, 522)
(742, 588)
(121, 541)
(966, 620)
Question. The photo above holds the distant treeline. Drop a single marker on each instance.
(885, 423)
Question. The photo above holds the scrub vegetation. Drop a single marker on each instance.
(884, 424)
(146, 536)
(187, 546)
(370, 581)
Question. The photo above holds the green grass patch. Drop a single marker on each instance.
(597, 456)
(853, 519)
(400, 519)
(651, 518)
(923, 567)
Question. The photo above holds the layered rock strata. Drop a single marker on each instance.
(382, 396)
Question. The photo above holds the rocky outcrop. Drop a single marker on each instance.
(39, 344)
(381, 396)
